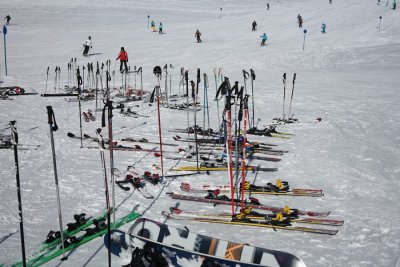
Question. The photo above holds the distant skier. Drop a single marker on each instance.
(7, 18)
(87, 45)
(160, 28)
(300, 22)
(198, 36)
(254, 26)
(394, 4)
(330, 1)
(267, 6)
(123, 58)
(379, 2)
(323, 28)
(264, 38)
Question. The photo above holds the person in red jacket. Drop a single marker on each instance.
(123, 58)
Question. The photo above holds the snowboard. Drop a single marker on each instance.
(180, 247)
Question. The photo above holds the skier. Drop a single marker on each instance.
(160, 28)
(198, 35)
(323, 28)
(267, 6)
(263, 39)
(394, 4)
(254, 26)
(7, 18)
(87, 45)
(300, 22)
(123, 58)
(330, 1)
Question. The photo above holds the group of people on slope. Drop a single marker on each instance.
(154, 29)
(263, 37)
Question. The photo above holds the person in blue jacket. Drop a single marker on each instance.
(263, 39)
(160, 28)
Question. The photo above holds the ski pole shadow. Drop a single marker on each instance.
(4, 238)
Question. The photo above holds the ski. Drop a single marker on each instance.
(219, 140)
(267, 190)
(204, 168)
(258, 216)
(49, 245)
(80, 240)
(252, 202)
(58, 95)
(250, 222)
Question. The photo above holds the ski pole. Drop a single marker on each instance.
(284, 93)
(79, 79)
(14, 135)
(103, 165)
(245, 109)
(53, 127)
(166, 82)
(216, 99)
(47, 78)
(55, 79)
(170, 80)
(291, 97)
(194, 96)
(187, 106)
(108, 105)
(253, 77)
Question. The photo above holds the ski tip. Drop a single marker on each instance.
(70, 135)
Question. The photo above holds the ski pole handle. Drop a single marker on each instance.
(51, 117)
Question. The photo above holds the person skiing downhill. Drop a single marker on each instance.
(254, 26)
(123, 58)
(263, 39)
(87, 45)
(7, 18)
(267, 6)
(198, 36)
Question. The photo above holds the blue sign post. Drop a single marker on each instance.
(5, 47)
(220, 13)
(148, 21)
(304, 41)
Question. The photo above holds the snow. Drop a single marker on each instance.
(346, 76)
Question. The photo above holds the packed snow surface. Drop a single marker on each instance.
(348, 77)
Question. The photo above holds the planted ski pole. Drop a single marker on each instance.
(253, 77)
(205, 103)
(53, 127)
(195, 122)
(284, 95)
(216, 98)
(187, 105)
(156, 93)
(291, 97)
(5, 47)
(166, 82)
(109, 107)
(228, 141)
(55, 79)
(170, 79)
(80, 82)
(245, 110)
(47, 78)
(103, 165)
(14, 135)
